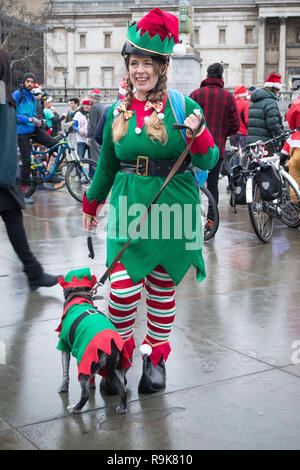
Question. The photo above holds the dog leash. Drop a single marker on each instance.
(172, 172)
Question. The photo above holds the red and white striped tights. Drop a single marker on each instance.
(160, 299)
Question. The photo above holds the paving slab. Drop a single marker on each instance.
(233, 374)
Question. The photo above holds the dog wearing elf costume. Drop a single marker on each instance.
(88, 335)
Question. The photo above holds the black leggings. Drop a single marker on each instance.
(212, 185)
(13, 219)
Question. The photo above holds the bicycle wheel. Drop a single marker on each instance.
(207, 202)
(35, 180)
(289, 213)
(79, 177)
(261, 220)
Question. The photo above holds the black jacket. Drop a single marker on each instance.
(10, 194)
(265, 119)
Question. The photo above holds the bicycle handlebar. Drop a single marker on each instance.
(274, 140)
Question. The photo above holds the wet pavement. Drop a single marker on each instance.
(233, 376)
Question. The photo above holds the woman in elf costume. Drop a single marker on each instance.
(139, 148)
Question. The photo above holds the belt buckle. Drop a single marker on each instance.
(138, 163)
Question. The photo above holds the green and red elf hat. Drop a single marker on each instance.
(155, 34)
(78, 278)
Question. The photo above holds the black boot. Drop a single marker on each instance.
(44, 280)
(153, 378)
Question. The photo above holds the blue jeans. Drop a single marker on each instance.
(82, 148)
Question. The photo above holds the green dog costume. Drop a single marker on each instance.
(84, 329)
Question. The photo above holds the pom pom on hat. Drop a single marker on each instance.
(179, 50)
(273, 81)
(145, 349)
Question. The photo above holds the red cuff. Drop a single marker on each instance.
(163, 349)
(202, 143)
(91, 208)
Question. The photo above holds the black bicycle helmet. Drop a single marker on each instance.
(129, 48)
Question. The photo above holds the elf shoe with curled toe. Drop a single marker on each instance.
(154, 377)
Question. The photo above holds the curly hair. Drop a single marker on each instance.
(155, 127)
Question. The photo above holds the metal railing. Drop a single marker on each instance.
(61, 94)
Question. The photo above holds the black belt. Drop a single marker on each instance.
(78, 320)
(144, 166)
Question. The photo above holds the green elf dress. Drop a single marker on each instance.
(173, 238)
(93, 330)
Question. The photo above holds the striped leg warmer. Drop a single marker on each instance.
(160, 299)
(123, 302)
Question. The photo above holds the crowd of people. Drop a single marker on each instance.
(138, 147)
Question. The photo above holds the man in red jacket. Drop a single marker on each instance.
(242, 103)
(221, 117)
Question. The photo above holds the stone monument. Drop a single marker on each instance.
(185, 62)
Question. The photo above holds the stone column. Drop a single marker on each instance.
(70, 56)
(261, 51)
(282, 49)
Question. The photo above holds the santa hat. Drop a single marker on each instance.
(78, 278)
(123, 86)
(293, 114)
(273, 81)
(95, 93)
(85, 101)
(157, 32)
(37, 90)
(240, 91)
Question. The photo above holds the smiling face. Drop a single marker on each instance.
(143, 73)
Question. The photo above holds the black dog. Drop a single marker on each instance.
(111, 362)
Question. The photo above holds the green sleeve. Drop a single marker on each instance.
(108, 164)
(63, 345)
(203, 161)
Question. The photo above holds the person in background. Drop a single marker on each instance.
(241, 98)
(11, 198)
(265, 119)
(96, 112)
(37, 92)
(291, 148)
(29, 128)
(53, 120)
(98, 134)
(74, 106)
(222, 120)
(81, 123)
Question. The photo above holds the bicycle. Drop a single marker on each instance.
(207, 204)
(264, 206)
(78, 173)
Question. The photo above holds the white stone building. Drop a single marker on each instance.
(251, 37)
